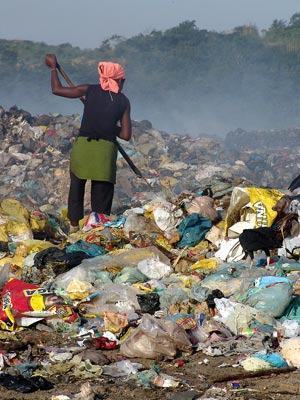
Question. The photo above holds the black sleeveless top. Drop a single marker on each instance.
(102, 111)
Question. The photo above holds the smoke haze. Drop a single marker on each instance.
(186, 79)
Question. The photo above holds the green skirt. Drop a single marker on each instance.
(94, 159)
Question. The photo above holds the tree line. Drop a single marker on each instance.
(185, 78)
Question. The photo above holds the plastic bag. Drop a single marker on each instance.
(193, 229)
(254, 364)
(19, 297)
(289, 245)
(206, 264)
(3, 233)
(95, 220)
(114, 298)
(138, 224)
(237, 317)
(33, 246)
(230, 250)
(92, 269)
(24, 385)
(272, 299)
(114, 322)
(77, 290)
(15, 209)
(57, 259)
(173, 295)
(291, 328)
(130, 275)
(267, 281)
(16, 261)
(155, 338)
(228, 283)
(15, 221)
(165, 216)
(253, 205)
(233, 279)
(151, 378)
(199, 293)
(290, 349)
(92, 250)
(186, 321)
(38, 221)
(121, 368)
(153, 268)
(103, 277)
(203, 205)
(149, 302)
(18, 231)
(274, 359)
(292, 312)
(4, 275)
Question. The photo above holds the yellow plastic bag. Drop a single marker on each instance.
(143, 287)
(18, 231)
(203, 245)
(78, 290)
(206, 264)
(33, 245)
(16, 260)
(163, 242)
(253, 205)
(188, 280)
(3, 234)
(37, 221)
(15, 209)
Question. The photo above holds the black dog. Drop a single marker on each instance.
(269, 238)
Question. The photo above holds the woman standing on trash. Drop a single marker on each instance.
(94, 153)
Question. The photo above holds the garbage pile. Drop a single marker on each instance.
(272, 139)
(34, 159)
(271, 157)
(169, 275)
(157, 282)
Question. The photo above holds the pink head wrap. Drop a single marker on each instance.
(109, 72)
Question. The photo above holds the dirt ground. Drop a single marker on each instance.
(193, 376)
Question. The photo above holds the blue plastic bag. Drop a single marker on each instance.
(193, 229)
(274, 359)
(266, 281)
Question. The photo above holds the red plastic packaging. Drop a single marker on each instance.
(103, 343)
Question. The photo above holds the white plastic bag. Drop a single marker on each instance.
(121, 368)
(237, 317)
(291, 328)
(165, 217)
(114, 298)
(230, 250)
(153, 268)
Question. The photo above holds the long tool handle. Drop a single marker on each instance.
(120, 148)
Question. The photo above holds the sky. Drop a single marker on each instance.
(86, 23)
